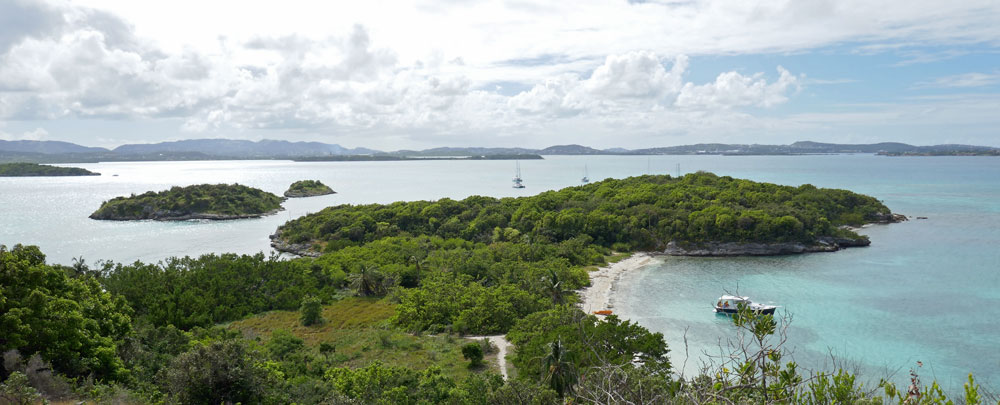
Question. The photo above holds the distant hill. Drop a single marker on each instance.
(46, 147)
(473, 151)
(231, 149)
(808, 147)
(570, 150)
(242, 149)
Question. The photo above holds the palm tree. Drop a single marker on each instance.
(367, 281)
(418, 263)
(553, 286)
(559, 371)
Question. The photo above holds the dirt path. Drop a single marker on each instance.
(500, 341)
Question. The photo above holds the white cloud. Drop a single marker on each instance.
(636, 75)
(732, 89)
(965, 80)
(432, 71)
(34, 135)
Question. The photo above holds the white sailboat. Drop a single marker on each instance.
(517, 177)
(585, 179)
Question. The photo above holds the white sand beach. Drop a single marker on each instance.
(604, 282)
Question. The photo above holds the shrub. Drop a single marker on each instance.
(312, 311)
(473, 352)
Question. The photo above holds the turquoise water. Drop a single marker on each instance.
(926, 290)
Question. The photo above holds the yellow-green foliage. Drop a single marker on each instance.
(359, 330)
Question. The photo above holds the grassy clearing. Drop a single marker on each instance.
(359, 329)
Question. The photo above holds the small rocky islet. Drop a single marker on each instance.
(308, 188)
(202, 201)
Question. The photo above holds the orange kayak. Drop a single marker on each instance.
(603, 312)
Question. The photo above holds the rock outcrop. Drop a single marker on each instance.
(301, 249)
(823, 244)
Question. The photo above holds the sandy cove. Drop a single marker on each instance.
(604, 281)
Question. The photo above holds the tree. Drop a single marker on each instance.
(17, 391)
(559, 371)
(71, 322)
(554, 287)
(367, 281)
(222, 372)
(473, 352)
(312, 311)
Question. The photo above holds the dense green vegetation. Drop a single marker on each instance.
(34, 169)
(71, 322)
(188, 292)
(638, 213)
(376, 318)
(308, 188)
(203, 201)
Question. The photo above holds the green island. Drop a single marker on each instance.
(699, 213)
(203, 201)
(392, 308)
(308, 188)
(34, 169)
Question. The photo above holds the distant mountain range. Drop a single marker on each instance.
(243, 149)
(46, 147)
(217, 149)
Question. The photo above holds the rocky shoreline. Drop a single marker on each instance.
(301, 249)
(303, 194)
(181, 216)
(822, 244)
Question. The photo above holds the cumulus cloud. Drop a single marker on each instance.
(637, 84)
(732, 89)
(623, 71)
(636, 75)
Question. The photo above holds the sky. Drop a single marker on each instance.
(420, 74)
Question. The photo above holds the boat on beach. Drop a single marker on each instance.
(730, 304)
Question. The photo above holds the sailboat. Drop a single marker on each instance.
(585, 179)
(517, 177)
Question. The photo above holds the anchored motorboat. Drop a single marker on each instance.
(730, 304)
